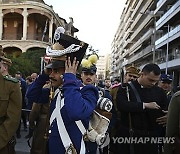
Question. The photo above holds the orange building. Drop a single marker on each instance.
(28, 24)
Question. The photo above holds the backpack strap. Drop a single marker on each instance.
(131, 131)
(135, 92)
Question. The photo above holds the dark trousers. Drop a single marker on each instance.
(23, 117)
(91, 147)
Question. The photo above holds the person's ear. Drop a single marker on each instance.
(141, 74)
(61, 76)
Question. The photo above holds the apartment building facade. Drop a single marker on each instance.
(148, 33)
(28, 24)
(101, 67)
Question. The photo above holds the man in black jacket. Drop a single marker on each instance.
(138, 116)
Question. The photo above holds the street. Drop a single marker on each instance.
(21, 145)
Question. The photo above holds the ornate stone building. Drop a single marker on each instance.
(28, 24)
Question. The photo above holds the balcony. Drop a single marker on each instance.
(138, 17)
(128, 14)
(136, 8)
(126, 35)
(173, 34)
(141, 27)
(117, 56)
(160, 3)
(171, 64)
(29, 37)
(168, 15)
(146, 36)
(38, 38)
(126, 43)
(141, 54)
(118, 61)
(161, 60)
(125, 53)
(125, 62)
(129, 22)
(12, 37)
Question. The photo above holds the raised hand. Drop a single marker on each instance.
(71, 67)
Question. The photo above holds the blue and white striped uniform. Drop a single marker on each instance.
(78, 105)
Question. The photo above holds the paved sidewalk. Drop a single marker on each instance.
(21, 145)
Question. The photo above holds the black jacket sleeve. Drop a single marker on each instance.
(122, 100)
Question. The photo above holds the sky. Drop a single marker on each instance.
(97, 20)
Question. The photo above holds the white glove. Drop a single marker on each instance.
(106, 141)
(92, 135)
(97, 128)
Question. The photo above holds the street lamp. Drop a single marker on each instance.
(158, 13)
(167, 51)
(154, 47)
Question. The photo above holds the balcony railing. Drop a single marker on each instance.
(170, 58)
(168, 13)
(12, 37)
(141, 54)
(142, 39)
(125, 62)
(38, 38)
(18, 1)
(161, 60)
(141, 27)
(159, 3)
(171, 33)
(29, 37)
